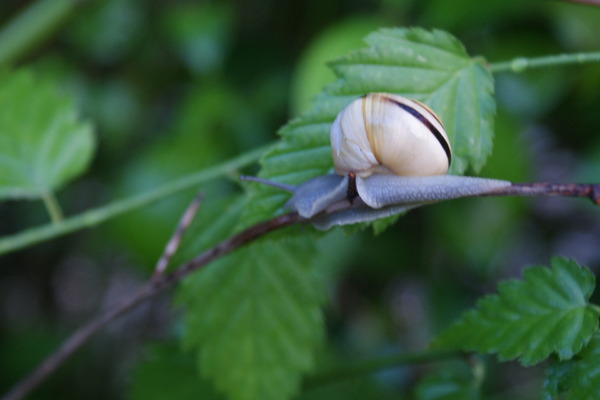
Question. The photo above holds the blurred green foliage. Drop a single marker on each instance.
(45, 131)
(176, 86)
(453, 381)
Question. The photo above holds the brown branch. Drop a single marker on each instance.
(160, 282)
(173, 243)
(591, 191)
(154, 286)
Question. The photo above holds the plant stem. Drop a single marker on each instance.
(591, 191)
(53, 207)
(153, 286)
(369, 366)
(175, 241)
(32, 26)
(98, 215)
(521, 64)
(159, 282)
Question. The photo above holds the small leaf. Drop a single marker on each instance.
(546, 312)
(255, 317)
(578, 378)
(455, 381)
(43, 143)
(430, 66)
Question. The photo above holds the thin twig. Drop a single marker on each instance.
(280, 186)
(148, 290)
(589, 190)
(175, 240)
(96, 216)
(34, 25)
(522, 64)
(162, 281)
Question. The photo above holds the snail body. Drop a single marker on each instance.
(381, 195)
(390, 154)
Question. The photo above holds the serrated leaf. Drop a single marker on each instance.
(546, 312)
(255, 317)
(454, 381)
(585, 377)
(557, 373)
(430, 66)
(43, 143)
(576, 379)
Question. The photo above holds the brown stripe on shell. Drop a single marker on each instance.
(438, 135)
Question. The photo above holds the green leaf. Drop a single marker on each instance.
(546, 312)
(430, 66)
(280, 282)
(255, 318)
(43, 143)
(557, 374)
(453, 381)
(578, 378)
(585, 378)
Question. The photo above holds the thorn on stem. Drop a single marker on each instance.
(175, 240)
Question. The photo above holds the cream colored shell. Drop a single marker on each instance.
(385, 133)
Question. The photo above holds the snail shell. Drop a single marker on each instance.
(389, 134)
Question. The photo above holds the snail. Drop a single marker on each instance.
(388, 134)
(390, 154)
